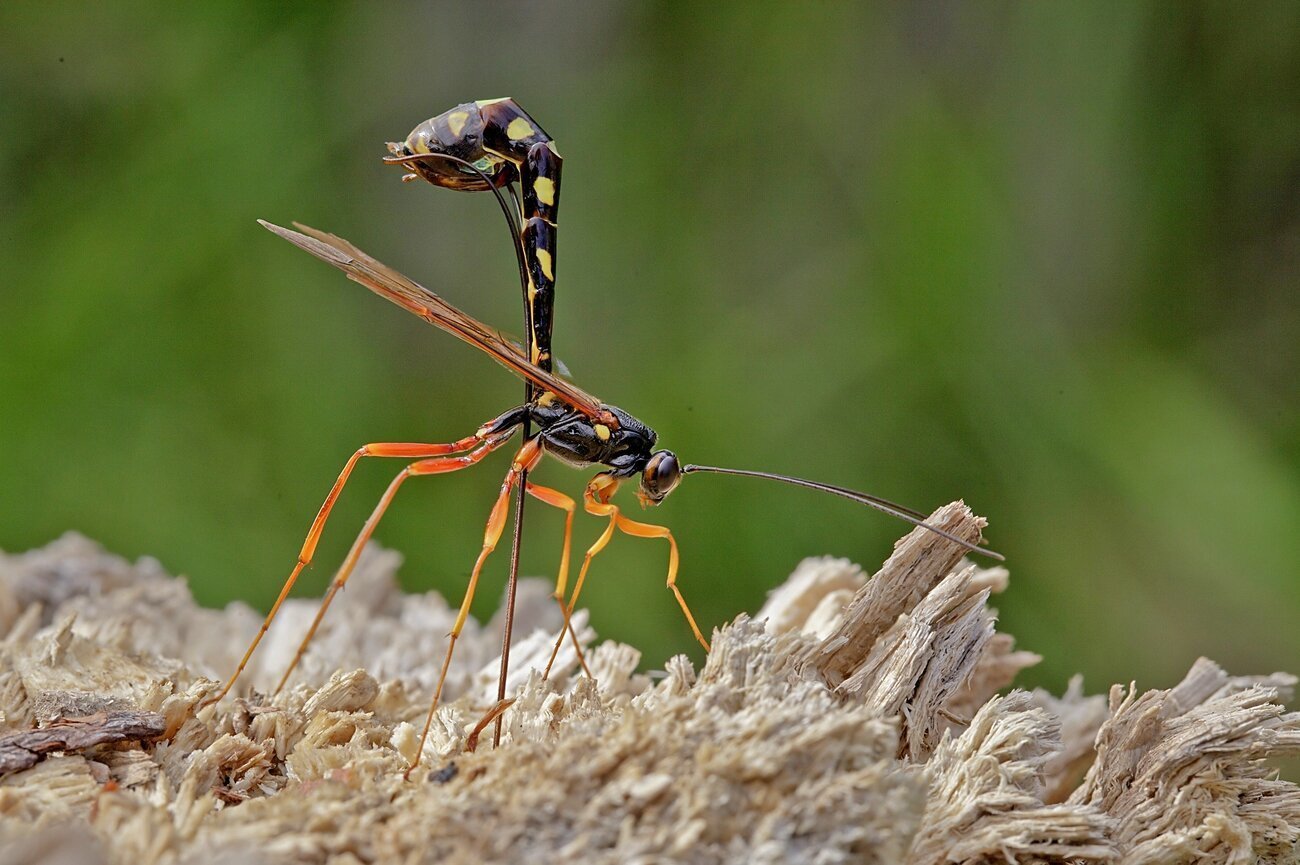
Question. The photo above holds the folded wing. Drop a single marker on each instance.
(415, 298)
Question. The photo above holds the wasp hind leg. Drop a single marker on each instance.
(435, 466)
(379, 449)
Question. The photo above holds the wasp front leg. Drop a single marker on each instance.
(596, 501)
(646, 530)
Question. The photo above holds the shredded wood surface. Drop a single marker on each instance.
(853, 719)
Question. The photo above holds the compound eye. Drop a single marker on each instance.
(661, 474)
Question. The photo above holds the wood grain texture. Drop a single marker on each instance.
(855, 720)
(25, 749)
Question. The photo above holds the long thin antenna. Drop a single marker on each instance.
(905, 514)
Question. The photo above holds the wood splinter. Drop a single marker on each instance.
(23, 750)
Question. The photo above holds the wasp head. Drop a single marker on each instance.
(659, 477)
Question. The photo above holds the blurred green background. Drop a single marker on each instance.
(1040, 256)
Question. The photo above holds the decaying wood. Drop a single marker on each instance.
(853, 720)
(25, 749)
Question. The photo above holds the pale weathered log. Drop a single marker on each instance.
(855, 720)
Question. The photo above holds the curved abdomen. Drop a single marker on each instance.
(501, 140)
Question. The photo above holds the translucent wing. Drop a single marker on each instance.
(517, 343)
(415, 298)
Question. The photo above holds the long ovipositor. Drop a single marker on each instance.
(487, 145)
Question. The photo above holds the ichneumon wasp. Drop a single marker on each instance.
(484, 145)
(571, 425)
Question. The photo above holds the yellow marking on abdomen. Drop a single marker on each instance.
(519, 129)
(602, 432)
(546, 398)
(544, 259)
(456, 122)
(545, 188)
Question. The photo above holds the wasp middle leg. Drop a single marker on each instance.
(557, 499)
(524, 460)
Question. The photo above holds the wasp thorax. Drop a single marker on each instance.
(660, 476)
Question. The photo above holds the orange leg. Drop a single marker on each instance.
(525, 459)
(435, 466)
(645, 530)
(379, 449)
(557, 499)
(595, 500)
